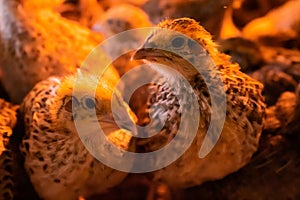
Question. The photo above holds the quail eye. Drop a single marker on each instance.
(178, 42)
(89, 103)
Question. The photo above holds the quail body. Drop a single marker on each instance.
(245, 105)
(8, 120)
(36, 43)
(56, 159)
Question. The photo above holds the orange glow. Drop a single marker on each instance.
(228, 29)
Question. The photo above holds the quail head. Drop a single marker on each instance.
(114, 20)
(186, 47)
(56, 155)
(36, 43)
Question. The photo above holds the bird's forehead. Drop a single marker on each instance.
(163, 36)
(188, 27)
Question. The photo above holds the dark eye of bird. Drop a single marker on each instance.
(89, 103)
(178, 42)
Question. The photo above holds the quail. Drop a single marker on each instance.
(8, 120)
(244, 106)
(57, 161)
(36, 43)
(114, 21)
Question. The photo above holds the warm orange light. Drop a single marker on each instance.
(228, 29)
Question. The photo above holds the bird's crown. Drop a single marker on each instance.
(192, 29)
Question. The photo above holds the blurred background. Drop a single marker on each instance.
(263, 37)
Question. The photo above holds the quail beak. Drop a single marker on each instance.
(122, 119)
(149, 54)
(140, 54)
(108, 124)
(121, 133)
(126, 119)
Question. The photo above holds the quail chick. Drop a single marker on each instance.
(273, 172)
(37, 43)
(8, 119)
(245, 105)
(58, 163)
(114, 20)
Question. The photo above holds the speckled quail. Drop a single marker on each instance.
(56, 158)
(245, 105)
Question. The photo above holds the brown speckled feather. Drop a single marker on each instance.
(8, 120)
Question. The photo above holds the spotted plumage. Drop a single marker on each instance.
(8, 119)
(58, 163)
(244, 102)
